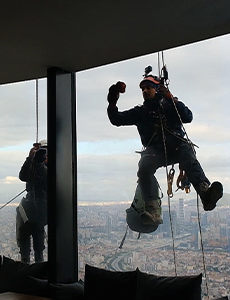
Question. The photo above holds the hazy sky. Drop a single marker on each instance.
(107, 163)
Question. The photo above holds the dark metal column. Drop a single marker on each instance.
(62, 176)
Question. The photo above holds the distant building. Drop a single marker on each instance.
(181, 215)
(166, 226)
(204, 219)
(228, 237)
(223, 231)
(108, 226)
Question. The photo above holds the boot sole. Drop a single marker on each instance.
(215, 193)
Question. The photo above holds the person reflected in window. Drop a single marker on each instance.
(31, 215)
(159, 122)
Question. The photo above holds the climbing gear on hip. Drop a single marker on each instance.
(182, 182)
(170, 177)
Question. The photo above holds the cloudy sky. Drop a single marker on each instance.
(107, 163)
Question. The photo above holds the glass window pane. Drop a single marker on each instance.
(19, 131)
(107, 167)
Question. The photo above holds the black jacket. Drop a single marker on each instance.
(35, 204)
(148, 116)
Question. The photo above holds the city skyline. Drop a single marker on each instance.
(101, 230)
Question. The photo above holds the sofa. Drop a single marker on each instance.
(16, 277)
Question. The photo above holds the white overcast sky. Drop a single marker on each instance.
(107, 163)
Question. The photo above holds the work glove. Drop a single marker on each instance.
(114, 92)
(164, 92)
(167, 98)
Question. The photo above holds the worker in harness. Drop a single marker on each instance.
(32, 211)
(160, 129)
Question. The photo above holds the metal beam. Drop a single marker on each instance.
(62, 177)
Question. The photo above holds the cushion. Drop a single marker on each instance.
(70, 291)
(11, 267)
(16, 276)
(152, 287)
(104, 284)
(32, 286)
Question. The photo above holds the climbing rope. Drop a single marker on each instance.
(123, 239)
(36, 108)
(12, 199)
(198, 212)
(169, 204)
(178, 114)
(172, 234)
(158, 63)
(202, 247)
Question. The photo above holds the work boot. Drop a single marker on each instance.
(210, 194)
(152, 213)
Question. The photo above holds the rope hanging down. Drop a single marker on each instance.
(172, 171)
(169, 204)
(167, 173)
(202, 247)
(36, 109)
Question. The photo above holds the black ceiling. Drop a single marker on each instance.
(77, 35)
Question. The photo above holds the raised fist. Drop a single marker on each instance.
(114, 92)
(121, 86)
